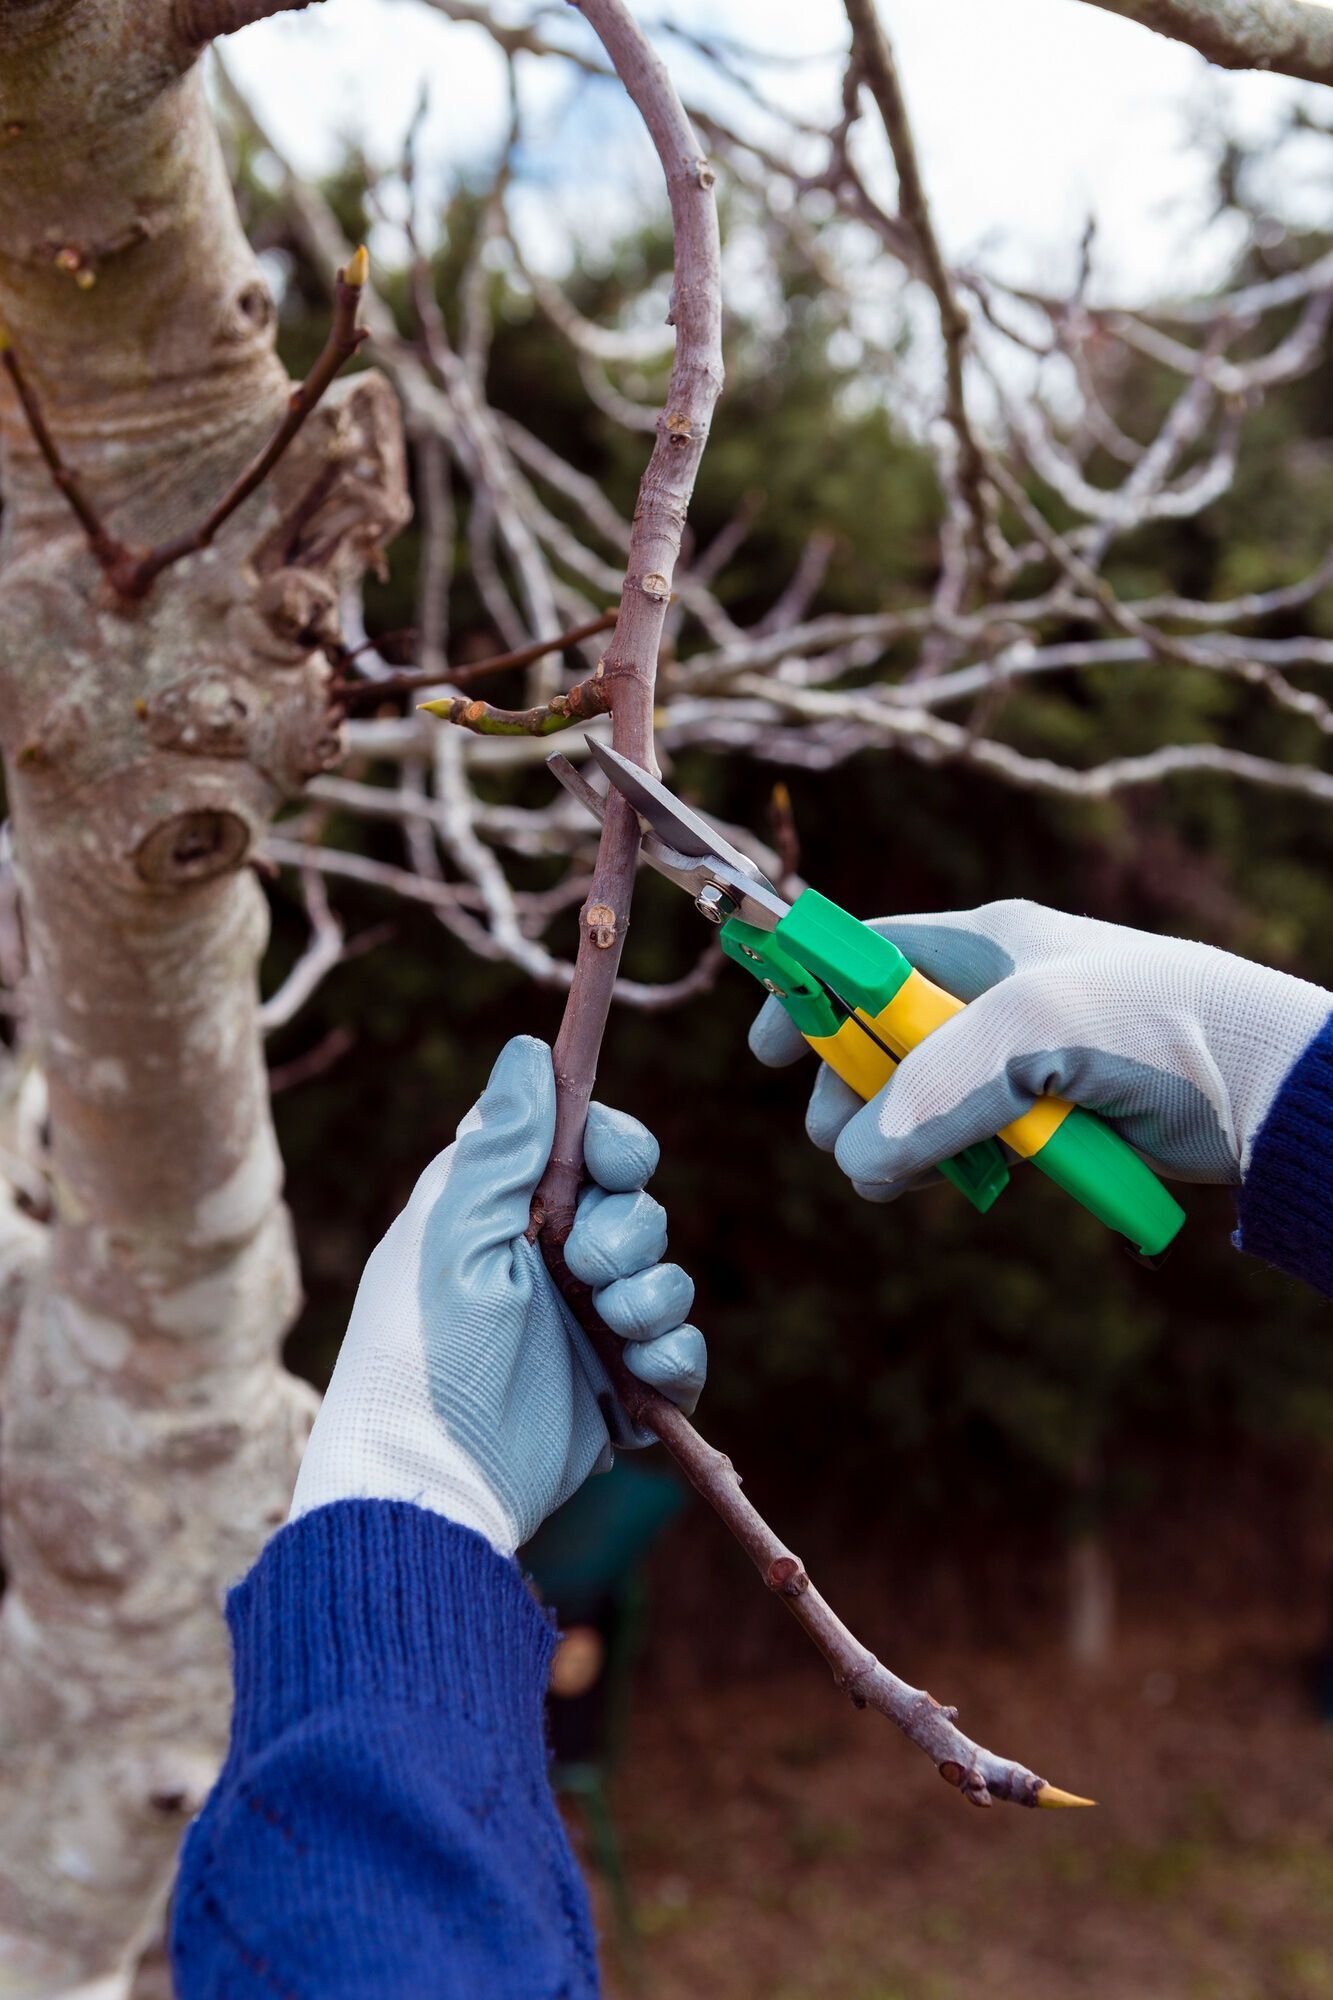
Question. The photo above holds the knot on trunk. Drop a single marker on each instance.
(300, 608)
(204, 715)
(192, 847)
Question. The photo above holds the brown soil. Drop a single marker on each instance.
(780, 1846)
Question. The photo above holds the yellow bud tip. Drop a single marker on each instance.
(781, 798)
(1051, 1795)
(435, 707)
(358, 269)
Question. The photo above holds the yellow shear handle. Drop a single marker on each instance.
(855, 1058)
(915, 1011)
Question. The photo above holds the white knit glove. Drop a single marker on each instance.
(1180, 1046)
(464, 1383)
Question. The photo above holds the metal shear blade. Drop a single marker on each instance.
(679, 843)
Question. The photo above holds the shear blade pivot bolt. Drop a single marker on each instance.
(714, 903)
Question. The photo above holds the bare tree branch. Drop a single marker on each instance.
(773, 690)
(521, 656)
(327, 1052)
(201, 21)
(109, 552)
(1293, 37)
(874, 60)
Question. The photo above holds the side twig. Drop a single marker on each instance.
(355, 692)
(586, 699)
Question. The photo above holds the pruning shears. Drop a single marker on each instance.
(862, 1005)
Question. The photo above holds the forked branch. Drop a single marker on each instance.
(132, 572)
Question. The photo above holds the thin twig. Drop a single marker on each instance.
(109, 552)
(328, 1050)
(786, 838)
(979, 1774)
(586, 699)
(355, 692)
(874, 58)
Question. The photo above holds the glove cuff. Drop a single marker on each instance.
(384, 1442)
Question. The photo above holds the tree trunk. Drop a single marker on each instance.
(1090, 1616)
(150, 1434)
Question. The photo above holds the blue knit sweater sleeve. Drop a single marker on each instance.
(383, 1824)
(1286, 1204)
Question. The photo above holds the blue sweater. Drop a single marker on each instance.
(383, 1826)
(1285, 1209)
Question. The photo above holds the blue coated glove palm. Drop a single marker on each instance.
(464, 1383)
(1179, 1046)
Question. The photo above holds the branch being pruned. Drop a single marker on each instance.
(132, 572)
(629, 683)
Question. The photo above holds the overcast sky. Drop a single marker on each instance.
(1031, 114)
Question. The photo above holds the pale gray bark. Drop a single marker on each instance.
(1293, 37)
(150, 1435)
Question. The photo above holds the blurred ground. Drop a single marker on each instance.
(782, 1847)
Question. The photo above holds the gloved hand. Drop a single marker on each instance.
(464, 1382)
(1180, 1046)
